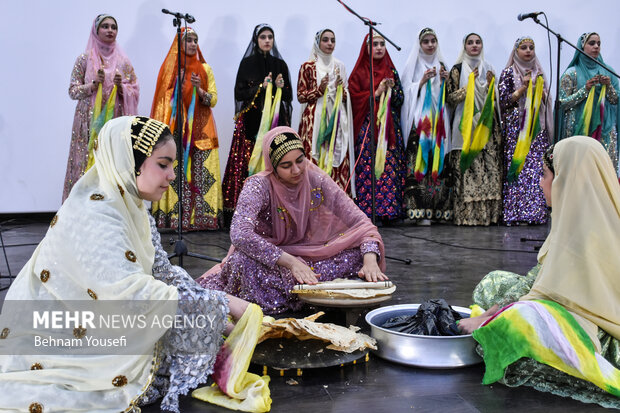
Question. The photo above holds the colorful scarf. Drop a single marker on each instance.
(188, 128)
(546, 332)
(432, 132)
(328, 130)
(98, 120)
(424, 131)
(383, 120)
(484, 128)
(439, 134)
(590, 124)
(268, 121)
(530, 127)
(234, 387)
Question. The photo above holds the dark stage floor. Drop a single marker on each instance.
(447, 262)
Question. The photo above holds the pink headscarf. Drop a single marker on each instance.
(315, 219)
(519, 67)
(113, 59)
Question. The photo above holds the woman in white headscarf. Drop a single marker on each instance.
(477, 191)
(427, 198)
(319, 78)
(102, 253)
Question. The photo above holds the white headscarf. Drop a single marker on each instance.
(327, 64)
(468, 64)
(97, 248)
(417, 63)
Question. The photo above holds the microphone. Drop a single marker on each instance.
(188, 17)
(524, 16)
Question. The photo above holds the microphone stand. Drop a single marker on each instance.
(371, 24)
(371, 99)
(180, 249)
(560, 39)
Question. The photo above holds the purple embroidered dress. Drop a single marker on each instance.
(251, 271)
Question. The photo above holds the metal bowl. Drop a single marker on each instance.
(439, 352)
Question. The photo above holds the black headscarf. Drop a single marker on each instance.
(253, 69)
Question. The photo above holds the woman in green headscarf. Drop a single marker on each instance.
(581, 100)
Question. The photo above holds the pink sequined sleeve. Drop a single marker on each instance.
(250, 220)
(77, 89)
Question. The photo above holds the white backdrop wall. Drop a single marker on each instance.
(41, 39)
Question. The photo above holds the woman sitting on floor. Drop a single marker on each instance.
(565, 314)
(103, 245)
(294, 225)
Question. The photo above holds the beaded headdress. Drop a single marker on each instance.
(101, 18)
(548, 158)
(426, 31)
(189, 31)
(283, 144)
(523, 39)
(145, 133)
(584, 38)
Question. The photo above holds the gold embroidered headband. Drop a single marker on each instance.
(188, 32)
(145, 132)
(426, 31)
(522, 40)
(283, 144)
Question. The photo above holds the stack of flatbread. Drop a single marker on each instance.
(341, 338)
(341, 288)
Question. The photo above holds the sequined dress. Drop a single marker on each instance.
(524, 201)
(390, 185)
(251, 272)
(188, 354)
(249, 90)
(80, 133)
(503, 288)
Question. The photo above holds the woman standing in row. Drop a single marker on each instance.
(390, 170)
(261, 64)
(103, 63)
(524, 202)
(322, 87)
(478, 190)
(576, 85)
(426, 197)
(202, 192)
